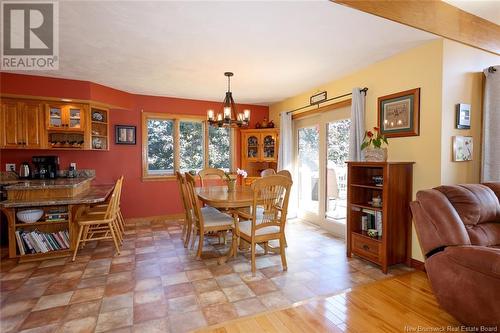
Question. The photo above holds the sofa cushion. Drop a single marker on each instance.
(484, 234)
(474, 203)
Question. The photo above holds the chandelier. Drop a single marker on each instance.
(229, 117)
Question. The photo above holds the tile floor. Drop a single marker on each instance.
(156, 285)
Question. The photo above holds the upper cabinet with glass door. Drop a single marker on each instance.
(66, 126)
(252, 141)
(269, 148)
(65, 117)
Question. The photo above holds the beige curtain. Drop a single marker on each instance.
(490, 166)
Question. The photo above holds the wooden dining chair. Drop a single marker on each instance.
(270, 196)
(267, 172)
(101, 209)
(206, 221)
(187, 227)
(94, 227)
(211, 173)
(285, 173)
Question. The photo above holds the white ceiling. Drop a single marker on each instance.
(488, 10)
(276, 49)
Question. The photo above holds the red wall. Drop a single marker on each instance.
(139, 198)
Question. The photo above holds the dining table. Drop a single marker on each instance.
(221, 198)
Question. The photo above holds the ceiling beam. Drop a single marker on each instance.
(437, 17)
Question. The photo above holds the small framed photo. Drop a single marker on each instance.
(125, 135)
(399, 114)
(463, 116)
(462, 148)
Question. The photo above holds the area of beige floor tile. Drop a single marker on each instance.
(157, 285)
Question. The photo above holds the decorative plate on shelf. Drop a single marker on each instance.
(97, 143)
(97, 116)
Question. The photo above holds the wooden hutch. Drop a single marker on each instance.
(259, 151)
(392, 217)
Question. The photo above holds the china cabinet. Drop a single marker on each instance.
(259, 151)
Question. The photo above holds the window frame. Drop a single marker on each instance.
(177, 118)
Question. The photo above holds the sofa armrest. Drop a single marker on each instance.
(477, 258)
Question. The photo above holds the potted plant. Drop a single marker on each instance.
(233, 177)
(372, 146)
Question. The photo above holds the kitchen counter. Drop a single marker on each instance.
(37, 184)
(95, 194)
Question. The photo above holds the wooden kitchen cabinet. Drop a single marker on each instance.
(49, 124)
(22, 124)
(259, 150)
(66, 117)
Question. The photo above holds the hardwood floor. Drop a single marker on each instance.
(401, 304)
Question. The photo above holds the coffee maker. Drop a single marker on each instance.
(46, 167)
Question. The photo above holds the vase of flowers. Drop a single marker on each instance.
(372, 146)
(232, 177)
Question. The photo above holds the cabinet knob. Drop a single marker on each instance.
(366, 247)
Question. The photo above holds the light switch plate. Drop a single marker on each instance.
(10, 166)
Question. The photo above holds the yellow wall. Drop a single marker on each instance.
(447, 73)
(462, 83)
(418, 67)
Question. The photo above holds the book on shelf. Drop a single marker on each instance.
(41, 242)
(373, 221)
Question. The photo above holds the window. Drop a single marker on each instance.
(191, 145)
(219, 148)
(177, 142)
(160, 146)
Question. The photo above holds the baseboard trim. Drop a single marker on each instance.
(417, 264)
(169, 218)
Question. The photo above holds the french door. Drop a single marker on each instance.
(321, 150)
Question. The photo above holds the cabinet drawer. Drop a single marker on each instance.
(365, 247)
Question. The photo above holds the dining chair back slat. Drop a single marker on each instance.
(186, 203)
(270, 202)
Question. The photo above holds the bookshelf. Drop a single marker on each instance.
(391, 219)
(50, 237)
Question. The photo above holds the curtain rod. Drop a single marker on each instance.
(365, 89)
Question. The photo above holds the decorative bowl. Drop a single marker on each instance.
(29, 215)
(372, 232)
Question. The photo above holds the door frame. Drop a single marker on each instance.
(334, 112)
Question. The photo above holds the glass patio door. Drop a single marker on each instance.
(322, 146)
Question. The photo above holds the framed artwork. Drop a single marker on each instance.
(399, 114)
(125, 135)
(463, 116)
(462, 148)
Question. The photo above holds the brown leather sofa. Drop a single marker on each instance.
(458, 229)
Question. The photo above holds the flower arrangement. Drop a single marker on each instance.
(239, 172)
(374, 138)
(232, 177)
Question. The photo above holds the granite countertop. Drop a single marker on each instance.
(38, 184)
(95, 194)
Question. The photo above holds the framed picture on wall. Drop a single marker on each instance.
(463, 116)
(399, 114)
(125, 135)
(462, 148)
